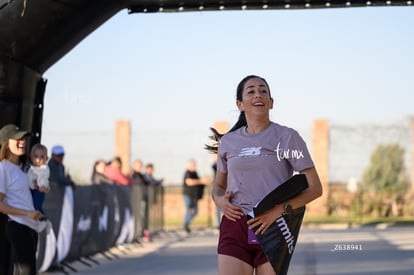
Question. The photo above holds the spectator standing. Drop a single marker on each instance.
(22, 225)
(149, 175)
(113, 171)
(98, 171)
(39, 174)
(137, 174)
(193, 189)
(57, 168)
(154, 189)
(142, 184)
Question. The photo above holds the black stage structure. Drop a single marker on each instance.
(34, 35)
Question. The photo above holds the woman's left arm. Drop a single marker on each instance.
(311, 193)
(7, 209)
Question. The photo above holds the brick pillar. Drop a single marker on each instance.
(320, 155)
(221, 126)
(123, 143)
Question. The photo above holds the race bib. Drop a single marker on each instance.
(251, 237)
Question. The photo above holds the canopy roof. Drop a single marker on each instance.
(38, 33)
(216, 5)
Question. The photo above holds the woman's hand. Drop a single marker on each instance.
(6, 209)
(262, 222)
(232, 212)
(43, 189)
(35, 215)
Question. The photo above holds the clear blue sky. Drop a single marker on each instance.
(174, 74)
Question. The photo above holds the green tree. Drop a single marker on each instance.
(385, 178)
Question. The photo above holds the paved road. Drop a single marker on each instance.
(357, 251)
(360, 251)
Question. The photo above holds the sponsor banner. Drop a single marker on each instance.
(86, 221)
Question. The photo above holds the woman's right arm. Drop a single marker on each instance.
(7, 209)
(222, 199)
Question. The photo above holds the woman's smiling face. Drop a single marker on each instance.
(17, 146)
(256, 97)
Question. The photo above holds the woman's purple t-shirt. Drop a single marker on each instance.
(256, 164)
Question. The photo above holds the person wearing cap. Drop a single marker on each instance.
(22, 224)
(57, 169)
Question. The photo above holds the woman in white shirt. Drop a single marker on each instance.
(23, 225)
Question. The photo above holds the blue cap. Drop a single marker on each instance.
(58, 150)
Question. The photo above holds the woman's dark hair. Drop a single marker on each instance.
(242, 117)
(94, 170)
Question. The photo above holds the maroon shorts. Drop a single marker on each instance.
(233, 241)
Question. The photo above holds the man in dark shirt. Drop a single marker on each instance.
(193, 188)
(57, 169)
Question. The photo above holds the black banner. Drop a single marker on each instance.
(89, 220)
